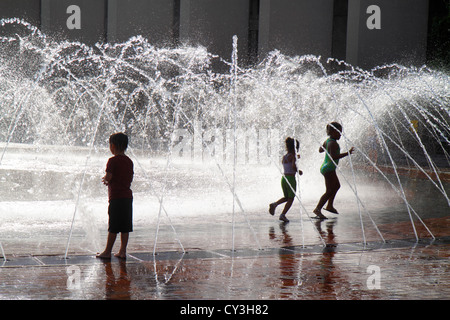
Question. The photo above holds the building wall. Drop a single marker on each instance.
(28, 10)
(154, 19)
(23, 9)
(296, 27)
(213, 23)
(399, 36)
(85, 24)
(336, 28)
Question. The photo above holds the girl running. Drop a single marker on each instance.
(328, 168)
(288, 182)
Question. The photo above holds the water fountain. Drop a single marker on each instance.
(195, 133)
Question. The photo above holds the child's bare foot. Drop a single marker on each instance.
(120, 255)
(103, 255)
(272, 207)
(283, 218)
(319, 214)
(332, 210)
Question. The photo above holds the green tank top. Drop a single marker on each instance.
(328, 165)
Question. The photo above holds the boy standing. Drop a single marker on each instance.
(118, 178)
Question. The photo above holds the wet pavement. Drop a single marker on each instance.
(351, 256)
(283, 268)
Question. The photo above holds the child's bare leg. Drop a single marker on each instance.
(123, 245)
(282, 200)
(330, 206)
(333, 185)
(326, 196)
(109, 245)
(274, 205)
(323, 199)
(287, 206)
(329, 184)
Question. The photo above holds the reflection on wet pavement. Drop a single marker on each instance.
(408, 270)
(294, 263)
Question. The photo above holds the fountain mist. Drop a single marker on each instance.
(194, 132)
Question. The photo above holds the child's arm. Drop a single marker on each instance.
(322, 147)
(349, 152)
(294, 165)
(107, 178)
(333, 150)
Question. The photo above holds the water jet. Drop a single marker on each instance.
(61, 100)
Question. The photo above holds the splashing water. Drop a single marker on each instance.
(194, 132)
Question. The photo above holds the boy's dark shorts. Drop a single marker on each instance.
(120, 213)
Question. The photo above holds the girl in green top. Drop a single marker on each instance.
(328, 168)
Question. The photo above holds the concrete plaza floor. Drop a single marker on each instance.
(305, 259)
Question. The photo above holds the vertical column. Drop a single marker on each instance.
(264, 28)
(253, 26)
(353, 19)
(339, 39)
(185, 20)
(112, 20)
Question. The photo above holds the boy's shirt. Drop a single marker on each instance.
(121, 168)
